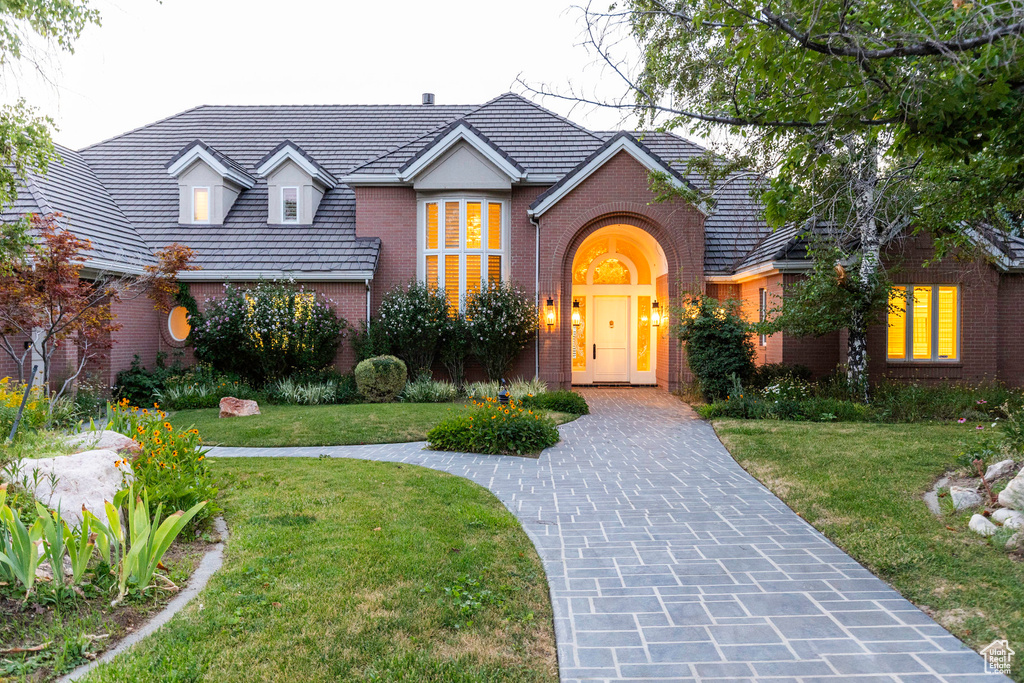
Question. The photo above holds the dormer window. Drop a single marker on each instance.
(200, 205)
(289, 205)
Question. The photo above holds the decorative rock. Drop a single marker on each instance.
(1013, 495)
(1002, 514)
(964, 498)
(1016, 542)
(237, 407)
(1015, 521)
(83, 479)
(999, 470)
(104, 440)
(979, 524)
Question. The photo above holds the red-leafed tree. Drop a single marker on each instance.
(48, 303)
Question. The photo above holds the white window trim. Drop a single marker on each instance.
(762, 312)
(908, 338)
(298, 205)
(209, 204)
(461, 251)
(170, 329)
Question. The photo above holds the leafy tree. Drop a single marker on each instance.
(47, 307)
(25, 143)
(501, 320)
(858, 116)
(414, 318)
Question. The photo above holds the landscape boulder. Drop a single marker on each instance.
(980, 524)
(237, 407)
(964, 498)
(1011, 519)
(104, 440)
(1013, 495)
(73, 481)
(999, 470)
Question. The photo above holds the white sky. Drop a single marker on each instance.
(150, 60)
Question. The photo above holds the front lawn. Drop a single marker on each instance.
(861, 485)
(350, 570)
(327, 425)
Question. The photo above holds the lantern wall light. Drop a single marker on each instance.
(550, 312)
(655, 314)
(576, 318)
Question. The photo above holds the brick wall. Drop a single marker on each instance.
(1010, 311)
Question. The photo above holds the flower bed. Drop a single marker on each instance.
(495, 429)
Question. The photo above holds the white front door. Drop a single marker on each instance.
(610, 352)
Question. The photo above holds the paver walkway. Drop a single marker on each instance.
(667, 561)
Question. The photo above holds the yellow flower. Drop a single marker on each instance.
(167, 426)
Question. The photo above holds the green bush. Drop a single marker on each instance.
(423, 389)
(911, 402)
(381, 379)
(718, 344)
(454, 348)
(267, 332)
(139, 385)
(414, 318)
(501, 321)
(202, 387)
(561, 401)
(495, 430)
(770, 373)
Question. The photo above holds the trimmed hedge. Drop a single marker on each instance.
(561, 401)
(380, 379)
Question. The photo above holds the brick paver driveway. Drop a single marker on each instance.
(667, 561)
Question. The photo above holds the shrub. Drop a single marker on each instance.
(911, 402)
(139, 385)
(425, 390)
(518, 389)
(267, 332)
(202, 387)
(770, 373)
(36, 410)
(414, 318)
(494, 429)
(381, 379)
(171, 469)
(454, 348)
(562, 401)
(718, 344)
(501, 321)
(295, 392)
(369, 341)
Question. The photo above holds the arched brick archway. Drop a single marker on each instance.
(556, 345)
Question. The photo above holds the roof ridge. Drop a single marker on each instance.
(544, 110)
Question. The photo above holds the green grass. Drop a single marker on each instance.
(330, 425)
(861, 485)
(337, 569)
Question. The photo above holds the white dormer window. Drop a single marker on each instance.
(200, 205)
(289, 205)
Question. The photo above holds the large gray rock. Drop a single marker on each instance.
(1013, 495)
(73, 481)
(104, 440)
(980, 524)
(964, 498)
(999, 470)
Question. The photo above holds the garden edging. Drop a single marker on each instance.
(211, 562)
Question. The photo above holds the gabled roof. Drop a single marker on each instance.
(289, 151)
(221, 163)
(461, 131)
(620, 142)
(71, 189)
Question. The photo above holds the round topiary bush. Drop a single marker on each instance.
(380, 379)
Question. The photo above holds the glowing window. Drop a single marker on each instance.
(289, 205)
(201, 204)
(923, 323)
(643, 333)
(611, 272)
(177, 323)
(462, 246)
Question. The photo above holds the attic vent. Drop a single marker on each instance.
(428, 98)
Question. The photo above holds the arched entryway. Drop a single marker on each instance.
(616, 313)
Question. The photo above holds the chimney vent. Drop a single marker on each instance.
(428, 98)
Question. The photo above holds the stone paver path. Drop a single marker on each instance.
(667, 561)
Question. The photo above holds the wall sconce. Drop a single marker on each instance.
(655, 315)
(550, 312)
(576, 319)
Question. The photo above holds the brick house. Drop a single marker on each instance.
(353, 200)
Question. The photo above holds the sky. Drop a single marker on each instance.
(153, 59)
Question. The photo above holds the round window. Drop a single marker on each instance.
(177, 323)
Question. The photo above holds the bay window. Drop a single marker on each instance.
(924, 323)
(464, 244)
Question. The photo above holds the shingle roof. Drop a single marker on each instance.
(71, 188)
(786, 243)
(130, 169)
